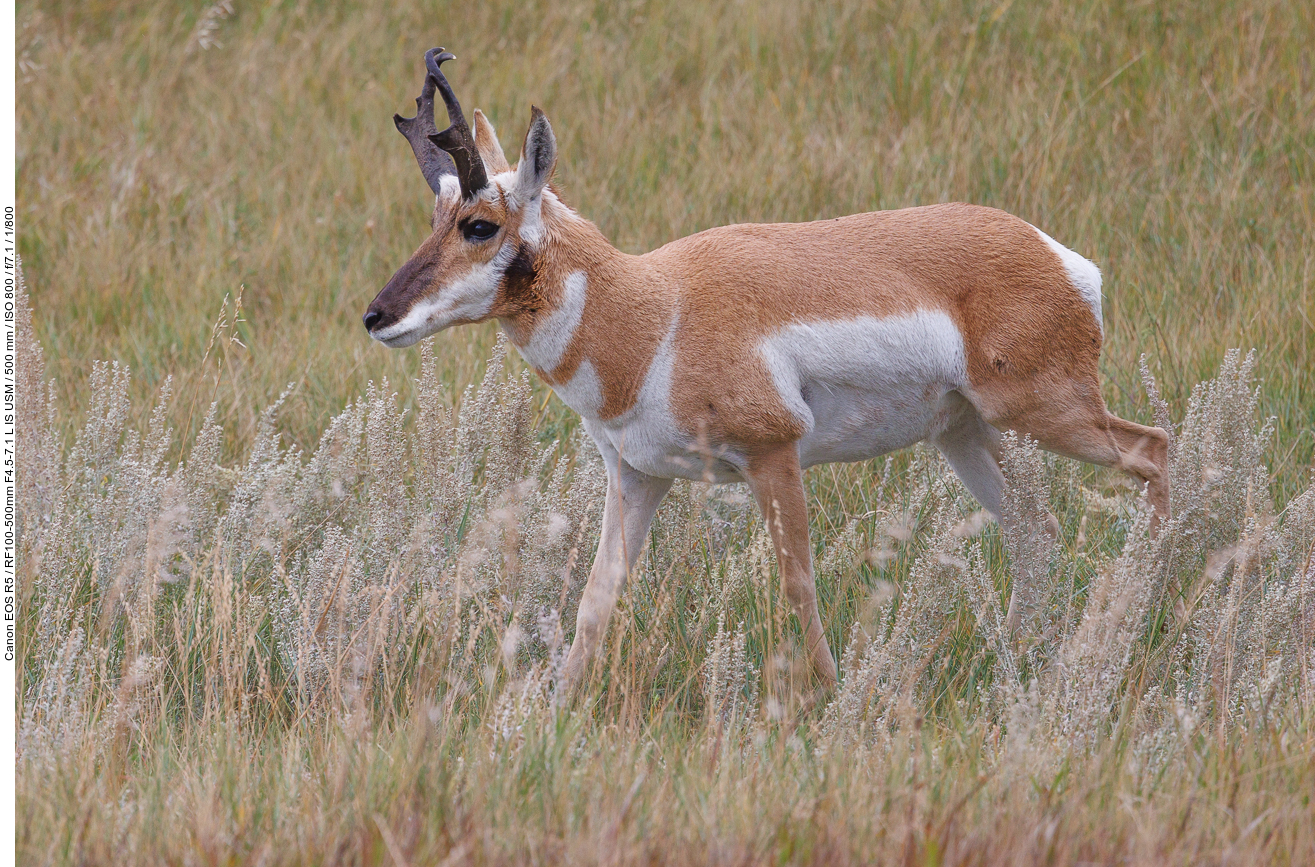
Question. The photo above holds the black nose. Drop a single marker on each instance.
(371, 319)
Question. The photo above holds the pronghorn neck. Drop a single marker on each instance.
(600, 319)
(543, 302)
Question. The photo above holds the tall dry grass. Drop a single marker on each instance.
(323, 624)
(351, 654)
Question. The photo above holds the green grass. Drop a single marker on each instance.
(296, 641)
(1173, 145)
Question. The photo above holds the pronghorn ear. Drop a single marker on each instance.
(538, 157)
(486, 142)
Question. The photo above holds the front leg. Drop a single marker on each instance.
(632, 500)
(778, 486)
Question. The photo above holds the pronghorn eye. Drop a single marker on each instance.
(479, 230)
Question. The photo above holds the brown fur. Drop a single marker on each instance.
(1026, 329)
(1015, 305)
(639, 296)
(775, 479)
(490, 150)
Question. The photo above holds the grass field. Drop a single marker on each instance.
(322, 623)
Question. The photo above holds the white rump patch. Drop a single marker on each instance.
(549, 342)
(866, 386)
(1082, 273)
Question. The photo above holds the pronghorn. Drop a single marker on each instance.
(750, 352)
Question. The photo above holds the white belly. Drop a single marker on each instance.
(862, 387)
(650, 446)
(858, 424)
(867, 386)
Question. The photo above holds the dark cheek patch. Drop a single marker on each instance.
(517, 289)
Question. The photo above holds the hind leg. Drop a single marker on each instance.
(972, 448)
(1144, 455)
(1076, 425)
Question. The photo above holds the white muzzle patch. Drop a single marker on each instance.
(467, 300)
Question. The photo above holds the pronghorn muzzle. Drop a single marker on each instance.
(394, 301)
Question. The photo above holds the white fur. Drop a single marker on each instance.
(647, 437)
(501, 186)
(862, 387)
(1082, 273)
(449, 187)
(558, 209)
(549, 342)
(531, 230)
(539, 142)
(521, 188)
(504, 187)
(970, 445)
(866, 386)
(508, 187)
(583, 392)
(466, 300)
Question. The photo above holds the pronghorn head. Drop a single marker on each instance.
(487, 225)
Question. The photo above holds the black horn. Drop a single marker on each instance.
(419, 130)
(456, 140)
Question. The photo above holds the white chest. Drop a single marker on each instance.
(646, 436)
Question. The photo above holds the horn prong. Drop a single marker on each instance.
(434, 163)
(456, 140)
